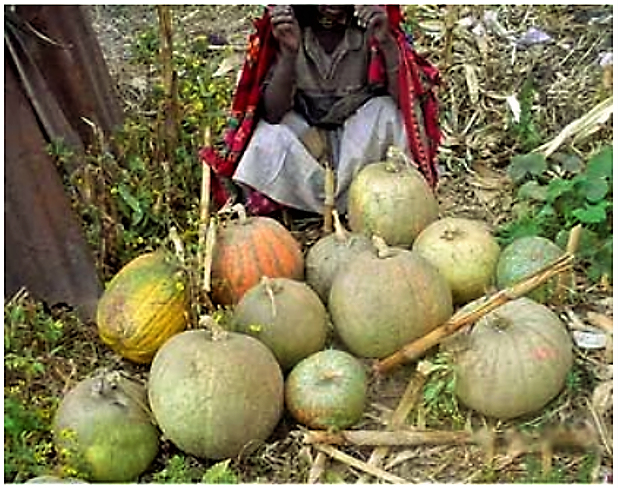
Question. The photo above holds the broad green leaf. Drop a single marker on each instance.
(601, 164)
(532, 191)
(591, 214)
(521, 166)
(558, 187)
(594, 189)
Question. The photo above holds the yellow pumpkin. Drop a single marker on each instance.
(145, 304)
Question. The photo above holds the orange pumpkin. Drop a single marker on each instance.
(246, 250)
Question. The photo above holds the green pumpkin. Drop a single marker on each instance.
(522, 258)
(391, 200)
(215, 394)
(382, 301)
(286, 315)
(104, 429)
(327, 390)
(514, 361)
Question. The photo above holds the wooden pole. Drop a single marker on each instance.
(389, 438)
(169, 110)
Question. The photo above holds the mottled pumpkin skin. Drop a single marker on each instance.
(144, 305)
(515, 360)
(464, 251)
(522, 258)
(327, 390)
(286, 315)
(246, 250)
(328, 255)
(379, 304)
(214, 396)
(105, 432)
(391, 200)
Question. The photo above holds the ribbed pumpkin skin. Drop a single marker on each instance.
(327, 390)
(392, 201)
(328, 255)
(464, 251)
(212, 397)
(286, 315)
(107, 430)
(515, 360)
(379, 304)
(248, 249)
(145, 304)
(522, 258)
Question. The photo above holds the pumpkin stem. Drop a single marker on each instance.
(271, 288)
(451, 234)
(340, 233)
(216, 331)
(239, 208)
(331, 375)
(500, 322)
(384, 251)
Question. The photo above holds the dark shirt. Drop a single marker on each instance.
(330, 87)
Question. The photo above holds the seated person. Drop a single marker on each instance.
(318, 106)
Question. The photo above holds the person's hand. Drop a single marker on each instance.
(373, 18)
(285, 28)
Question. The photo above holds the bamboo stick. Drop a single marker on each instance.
(417, 348)
(329, 200)
(170, 83)
(567, 277)
(204, 204)
(357, 464)
(317, 468)
(406, 404)
(389, 438)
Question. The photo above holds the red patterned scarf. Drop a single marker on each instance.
(418, 101)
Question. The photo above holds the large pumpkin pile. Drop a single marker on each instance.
(302, 346)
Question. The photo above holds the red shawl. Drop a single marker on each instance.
(417, 84)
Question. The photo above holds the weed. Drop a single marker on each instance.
(179, 470)
(556, 195)
(524, 128)
(30, 336)
(439, 399)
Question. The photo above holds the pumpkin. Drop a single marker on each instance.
(392, 200)
(329, 254)
(380, 302)
(249, 248)
(464, 251)
(522, 258)
(145, 304)
(103, 429)
(327, 390)
(514, 361)
(213, 394)
(286, 315)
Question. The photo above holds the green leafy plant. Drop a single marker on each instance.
(556, 195)
(439, 400)
(178, 469)
(30, 337)
(525, 129)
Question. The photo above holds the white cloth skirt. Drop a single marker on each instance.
(277, 164)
